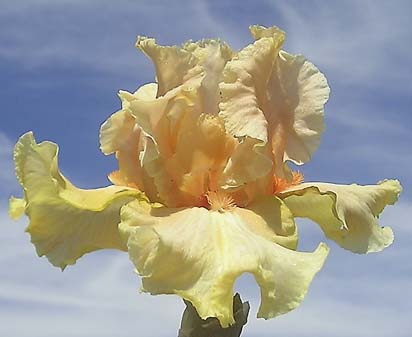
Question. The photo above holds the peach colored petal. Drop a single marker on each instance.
(243, 88)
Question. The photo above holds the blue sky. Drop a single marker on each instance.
(61, 64)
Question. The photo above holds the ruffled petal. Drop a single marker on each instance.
(243, 89)
(198, 254)
(248, 171)
(249, 161)
(121, 135)
(269, 217)
(65, 222)
(212, 55)
(297, 93)
(174, 65)
(115, 132)
(146, 92)
(274, 96)
(200, 150)
(347, 214)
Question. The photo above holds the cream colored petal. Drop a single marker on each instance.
(201, 149)
(160, 121)
(198, 254)
(148, 114)
(346, 213)
(146, 92)
(297, 93)
(201, 152)
(159, 184)
(65, 222)
(250, 161)
(121, 135)
(212, 55)
(174, 65)
(243, 89)
(115, 132)
(270, 218)
(159, 118)
(201, 49)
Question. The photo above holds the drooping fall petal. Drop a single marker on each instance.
(346, 213)
(269, 217)
(65, 222)
(198, 254)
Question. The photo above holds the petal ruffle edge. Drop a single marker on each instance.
(198, 254)
(65, 222)
(347, 214)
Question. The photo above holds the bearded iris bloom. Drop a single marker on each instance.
(204, 192)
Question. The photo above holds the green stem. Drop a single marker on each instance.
(193, 326)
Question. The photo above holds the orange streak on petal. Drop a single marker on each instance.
(281, 184)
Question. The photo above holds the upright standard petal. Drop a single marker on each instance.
(243, 89)
(347, 214)
(174, 65)
(198, 254)
(297, 92)
(275, 97)
(65, 222)
(212, 55)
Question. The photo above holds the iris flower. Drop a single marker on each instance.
(204, 192)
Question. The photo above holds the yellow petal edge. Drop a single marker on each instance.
(347, 213)
(65, 222)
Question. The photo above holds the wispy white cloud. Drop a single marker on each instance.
(357, 116)
(359, 41)
(354, 295)
(96, 297)
(7, 178)
(68, 37)
(348, 38)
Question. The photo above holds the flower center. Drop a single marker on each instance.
(220, 201)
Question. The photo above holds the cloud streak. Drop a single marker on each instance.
(7, 177)
(350, 39)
